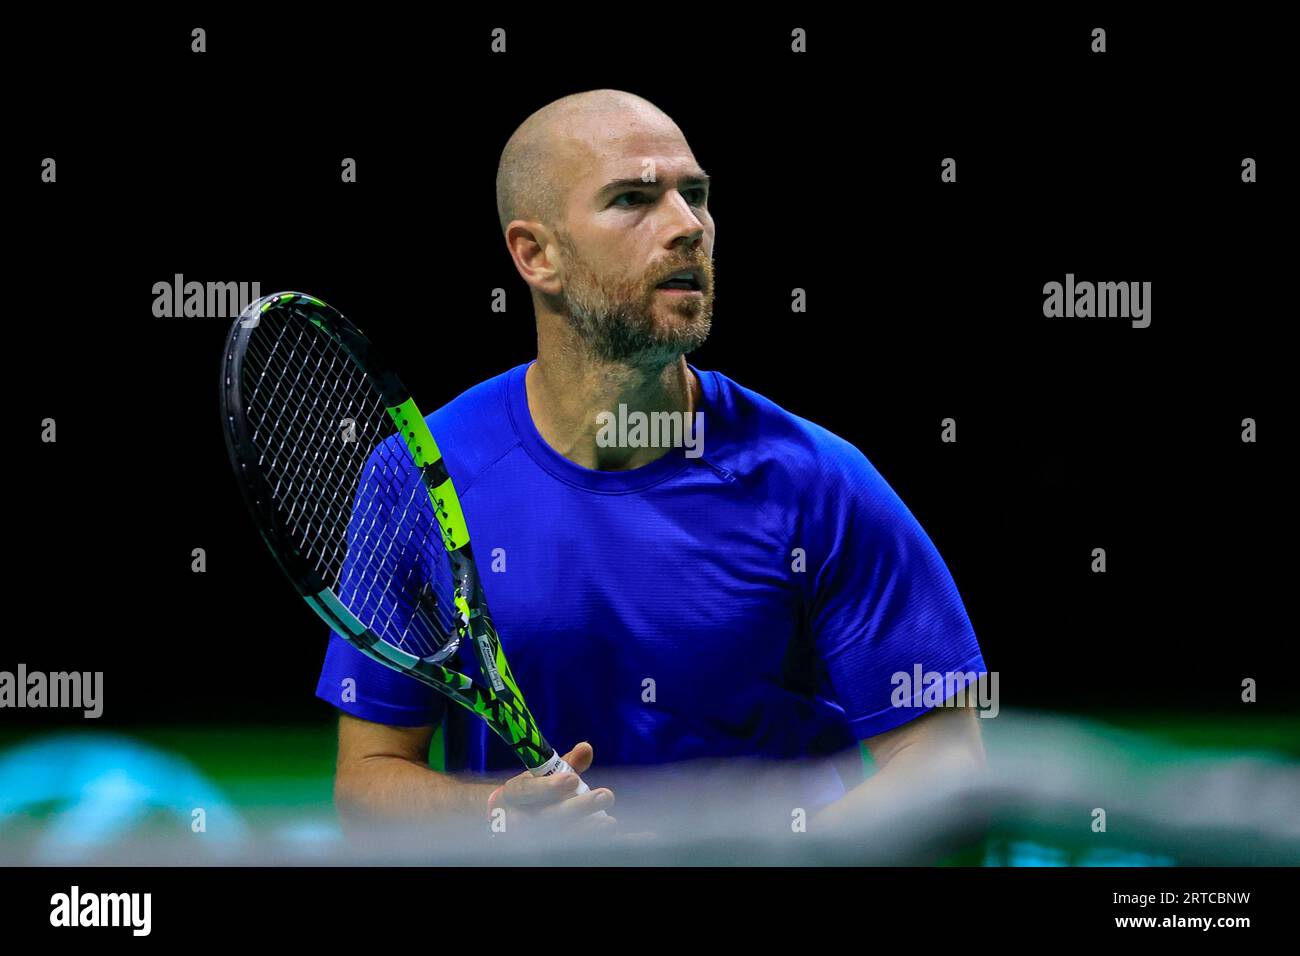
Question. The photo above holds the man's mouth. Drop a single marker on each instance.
(688, 280)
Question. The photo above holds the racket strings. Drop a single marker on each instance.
(382, 549)
(403, 544)
(344, 487)
(298, 426)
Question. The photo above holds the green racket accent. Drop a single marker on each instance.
(505, 710)
(507, 715)
(513, 709)
(502, 666)
(284, 297)
(446, 503)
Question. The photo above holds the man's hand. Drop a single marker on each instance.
(552, 804)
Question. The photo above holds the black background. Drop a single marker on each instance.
(925, 302)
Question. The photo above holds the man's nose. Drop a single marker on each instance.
(687, 229)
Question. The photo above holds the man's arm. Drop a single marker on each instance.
(937, 751)
(384, 772)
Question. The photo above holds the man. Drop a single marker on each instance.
(749, 593)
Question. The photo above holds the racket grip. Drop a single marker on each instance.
(557, 764)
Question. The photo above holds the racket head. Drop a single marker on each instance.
(327, 475)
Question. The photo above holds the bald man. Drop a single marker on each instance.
(751, 591)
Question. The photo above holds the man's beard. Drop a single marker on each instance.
(615, 319)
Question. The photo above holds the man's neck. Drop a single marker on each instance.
(567, 394)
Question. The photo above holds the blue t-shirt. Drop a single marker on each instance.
(754, 601)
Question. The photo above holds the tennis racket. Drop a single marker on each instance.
(351, 494)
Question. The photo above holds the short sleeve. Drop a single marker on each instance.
(883, 602)
(377, 586)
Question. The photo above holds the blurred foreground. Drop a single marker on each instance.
(1173, 793)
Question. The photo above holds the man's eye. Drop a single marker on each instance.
(637, 196)
(699, 194)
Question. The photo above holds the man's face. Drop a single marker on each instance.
(624, 237)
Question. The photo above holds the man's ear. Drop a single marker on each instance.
(535, 252)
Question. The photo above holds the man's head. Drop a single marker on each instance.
(601, 202)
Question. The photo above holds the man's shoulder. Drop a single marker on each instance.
(758, 434)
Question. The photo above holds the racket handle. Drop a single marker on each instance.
(556, 765)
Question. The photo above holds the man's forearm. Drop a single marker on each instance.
(912, 776)
(389, 788)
